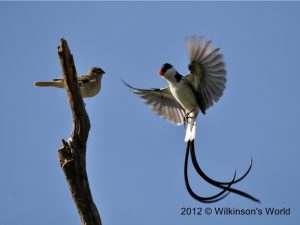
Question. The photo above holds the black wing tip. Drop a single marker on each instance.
(138, 89)
(133, 89)
(125, 83)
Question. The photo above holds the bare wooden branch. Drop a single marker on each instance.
(72, 154)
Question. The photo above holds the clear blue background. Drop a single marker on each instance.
(135, 159)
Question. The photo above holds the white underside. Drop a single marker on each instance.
(190, 133)
(185, 96)
(187, 99)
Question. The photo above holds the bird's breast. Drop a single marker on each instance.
(184, 94)
(90, 89)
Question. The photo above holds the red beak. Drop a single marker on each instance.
(160, 73)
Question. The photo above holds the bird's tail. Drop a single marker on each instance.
(49, 84)
(190, 133)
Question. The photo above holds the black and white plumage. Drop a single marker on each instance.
(186, 96)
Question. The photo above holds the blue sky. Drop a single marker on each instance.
(135, 159)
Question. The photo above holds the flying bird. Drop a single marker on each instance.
(89, 84)
(186, 96)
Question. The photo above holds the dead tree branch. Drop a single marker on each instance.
(72, 154)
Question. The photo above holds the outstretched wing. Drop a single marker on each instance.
(208, 75)
(162, 102)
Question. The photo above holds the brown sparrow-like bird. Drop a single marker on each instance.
(89, 84)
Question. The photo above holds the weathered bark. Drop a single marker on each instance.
(72, 154)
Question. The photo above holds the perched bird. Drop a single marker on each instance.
(186, 96)
(89, 84)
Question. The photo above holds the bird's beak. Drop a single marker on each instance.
(160, 73)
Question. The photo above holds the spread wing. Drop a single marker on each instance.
(162, 102)
(208, 75)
